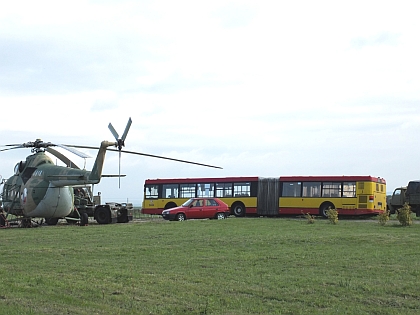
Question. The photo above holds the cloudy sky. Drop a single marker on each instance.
(264, 88)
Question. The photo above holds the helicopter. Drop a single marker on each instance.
(41, 189)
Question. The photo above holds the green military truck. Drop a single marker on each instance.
(110, 212)
(402, 195)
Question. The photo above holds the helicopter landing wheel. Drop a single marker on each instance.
(3, 221)
(51, 221)
(84, 219)
(26, 223)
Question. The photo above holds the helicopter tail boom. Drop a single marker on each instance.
(96, 173)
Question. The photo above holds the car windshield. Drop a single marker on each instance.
(188, 202)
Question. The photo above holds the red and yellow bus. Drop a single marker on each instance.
(350, 195)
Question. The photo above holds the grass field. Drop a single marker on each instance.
(233, 266)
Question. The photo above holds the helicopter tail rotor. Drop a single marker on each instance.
(120, 144)
(120, 141)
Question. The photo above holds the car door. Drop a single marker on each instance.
(211, 208)
(196, 210)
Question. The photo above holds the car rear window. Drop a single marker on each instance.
(211, 202)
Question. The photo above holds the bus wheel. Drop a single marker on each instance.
(180, 217)
(170, 205)
(324, 208)
(238, 210)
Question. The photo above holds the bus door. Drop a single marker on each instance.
(268, 196)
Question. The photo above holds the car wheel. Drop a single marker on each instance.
(180, 217)
(220, 216)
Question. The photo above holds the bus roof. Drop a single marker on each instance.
(321, 178)
(201, 180)
(332, 178)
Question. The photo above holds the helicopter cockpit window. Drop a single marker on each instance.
(20, 167)
(26, 175)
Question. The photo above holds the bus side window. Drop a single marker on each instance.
(151, 191)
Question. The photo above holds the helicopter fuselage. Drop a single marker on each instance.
(39, 188)
(30, 193)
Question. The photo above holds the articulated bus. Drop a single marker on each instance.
(292, 195)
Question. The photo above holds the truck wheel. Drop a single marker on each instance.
(103, 216)
(123, 218)
(84, 219)
(416, 210)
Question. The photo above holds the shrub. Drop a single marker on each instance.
(383, 217)
(332, 215)
(310, 218)
(404, 215)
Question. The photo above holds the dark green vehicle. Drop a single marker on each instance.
(110, 212)
(402, 195)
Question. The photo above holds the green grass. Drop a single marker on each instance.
(233, 266)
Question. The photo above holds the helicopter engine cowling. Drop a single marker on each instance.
(57, 203)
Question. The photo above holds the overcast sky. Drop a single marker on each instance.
(260, 88)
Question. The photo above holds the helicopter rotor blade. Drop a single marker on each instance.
(74, 151)
(82, 146)
(148, 155)
(63, 158)
(126, 129)
(167, 158)
(12, 145)
(119, 169)
(15, 146)
(113, 131)
(40, 145)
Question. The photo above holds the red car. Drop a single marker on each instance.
(198, 208)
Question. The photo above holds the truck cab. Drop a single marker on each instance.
(396, 200)
(402, 195)
(413, 194)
